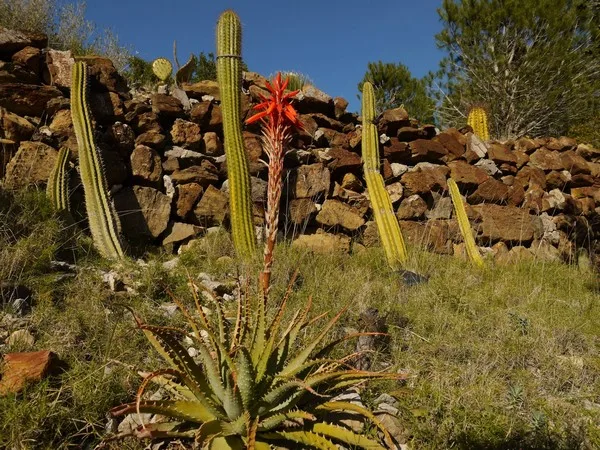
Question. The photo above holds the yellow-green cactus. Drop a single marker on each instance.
(57, 189)
(463, 224)
(103, 221)
(478, 120)
(229, 76)
(387, 223)
(162, 68)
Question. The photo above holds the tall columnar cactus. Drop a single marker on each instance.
(229, 76)
(162, 68)
(478, 120)
(58, 182)
(102, 218)
(387, 223)
(463, 224)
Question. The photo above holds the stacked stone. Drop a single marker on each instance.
(168, 174)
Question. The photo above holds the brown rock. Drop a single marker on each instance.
(522, 158)
(309, 181)
(526, 145)
(26, 99)
(30, 58)
(116, 172)
(395, 191)
(574, 163)
(426, 150)
(557, 180)
(204, 174)
(212, 207)
(500, 154)
(582, 192)
(490, 191)
(212, 144)
(201, 88)
(14, 73)
(396, 152)
(301, 211)
(60, 65)
(178, 232)
(408, 134)
(336, 213)
(146, 164)
(186, 134)
(354, 139)
(588, 152)
(106, 106)
(322, 242)
(151, 139)
(561, 144)
(18, 369)
(533, 199)
(546, 160)
(386, 170)
(514, 255)
(312, 100)
(451, 144)
(187, 196)
(254, 150)
(11, 41)
(516, 194)
(413, 207)
(30, 166)
(334, 138)
(339, 104)
(466, 175)
(392, 120)
(352, 183)
(147, 122)
(14, 127)
(62, 123)
(424, 181)
(434, 235)
(144, 212)
(166, 105)
(103, 75)
(506, 223)
(531, 176)
(121, 137)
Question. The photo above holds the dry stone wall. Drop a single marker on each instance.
(168, 173)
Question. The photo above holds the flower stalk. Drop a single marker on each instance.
(279, 119)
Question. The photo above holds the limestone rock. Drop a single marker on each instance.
(212, 144)
(60, 65)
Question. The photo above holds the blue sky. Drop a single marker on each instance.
(331, 41)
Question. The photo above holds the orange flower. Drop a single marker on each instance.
(277, 109)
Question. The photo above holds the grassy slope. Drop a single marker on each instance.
(503, 358)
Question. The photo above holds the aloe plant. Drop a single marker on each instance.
(229, 77)
(387, 223)
(478, 120)
(57, 189)
(463, 224)
(254, 385)
(103, 221)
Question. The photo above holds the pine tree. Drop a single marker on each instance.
(395, 86)
(533, 63)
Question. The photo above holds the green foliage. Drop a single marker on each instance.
(296, 80)
(535, 63)
(395, 86)
(587, 132)
(254, 386)
(387, 223)
(206, 67)
(229, 74)
(103, 220)
(139, 73)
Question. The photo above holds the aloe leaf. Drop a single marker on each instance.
(162, 430)
(246, 377)
(178, 409)
(345, 435)
(277, 419)
(302, 437)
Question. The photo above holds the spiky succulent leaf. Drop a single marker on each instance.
(304, 438)
(345, 435)
(184, 410)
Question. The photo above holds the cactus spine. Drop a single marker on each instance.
(463, 224)
(229, 76)
(478, 120)
(387, 224)
(58, 182)
(102, 218)
(162, 68)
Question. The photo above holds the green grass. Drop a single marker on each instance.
(503, 358)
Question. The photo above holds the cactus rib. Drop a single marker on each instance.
(57, 189)
(229, 76)
(103, 221)
(387, 224)
(478, 120)
(463, 224)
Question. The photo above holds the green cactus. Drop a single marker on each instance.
(387, 224)
(478, 120)
(229, 76)
(57, 189)
(162, 68)
(463, 224)
(104, 224)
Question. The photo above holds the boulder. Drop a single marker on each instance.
(466, 175)
(60, 65)
(546, 160)
(422, 181)
(166, 105)
(186, 134)
(312, 100)
(26, 99)
(212, 208)
(187, 196)
(309, 181)
(490, 191)
(204, 174)
(336, 213)
(506, 223)
(413, 207)
(427, 150)
(11, 41)
(29, 58)
(322, 242)
(343, 161)
(103, 75)
(31, 165)
(202, 88)
(14, 127)
(146, 164)
(144, 212)
(301, 211)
